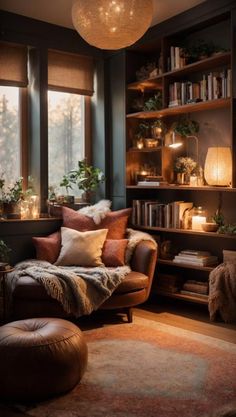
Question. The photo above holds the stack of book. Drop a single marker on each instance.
(196, 258)
(195, 288)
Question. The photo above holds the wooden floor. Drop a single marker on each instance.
(187, 316)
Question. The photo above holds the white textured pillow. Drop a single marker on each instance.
(81, 248)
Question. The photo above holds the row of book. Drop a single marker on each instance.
(212, 86)
(196, 258)
(152, 213)
(177, 58)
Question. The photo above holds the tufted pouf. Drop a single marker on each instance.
(40, 358)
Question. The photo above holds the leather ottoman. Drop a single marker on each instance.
(40, 358)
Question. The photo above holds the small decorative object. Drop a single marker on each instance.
(185, 166)
(229, 229)
(154, 103)
(198, 218)
(193, 182)
(110, 24)
(30, 207)
(209, 227)
(158, 129)
(151, 142)
(218, 166)
(139, 143)
(167, 250)
(145, 71)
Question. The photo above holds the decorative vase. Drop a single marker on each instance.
(86, 196)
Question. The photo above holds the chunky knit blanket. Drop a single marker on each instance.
(222, 292)
(79, 290)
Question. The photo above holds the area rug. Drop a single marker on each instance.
(148, 369)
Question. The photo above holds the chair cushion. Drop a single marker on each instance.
(27, 287)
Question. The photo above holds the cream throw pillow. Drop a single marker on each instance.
(81, 248)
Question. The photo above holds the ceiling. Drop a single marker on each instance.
(59, 11)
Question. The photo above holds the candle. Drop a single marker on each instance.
(197, 221)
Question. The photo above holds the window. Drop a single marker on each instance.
(10, 141)
(66, 137)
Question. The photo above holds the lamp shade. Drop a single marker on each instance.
(112, 24)
(218, 166)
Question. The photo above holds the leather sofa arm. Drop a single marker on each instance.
(144, 258)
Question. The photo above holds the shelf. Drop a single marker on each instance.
(186, 231)
(179, 296)
(183, 265)
(186, 108)
(182, 188)
(157, 149)
(203, 65)
(218, 60)
(148, 84)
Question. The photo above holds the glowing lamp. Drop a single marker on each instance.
(218, 166)
(112, 24)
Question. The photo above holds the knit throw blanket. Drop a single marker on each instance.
(222, 292)
(79, 290)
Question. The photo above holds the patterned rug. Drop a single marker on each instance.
(148, 369)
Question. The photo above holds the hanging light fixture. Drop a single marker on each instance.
(218, 166)
(112, 24)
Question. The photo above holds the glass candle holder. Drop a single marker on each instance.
(198, 218)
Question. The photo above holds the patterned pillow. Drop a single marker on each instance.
(81, 248)
(113, 253)
(48, 247)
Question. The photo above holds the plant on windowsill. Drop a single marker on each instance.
(66, 182)
(11, 198)
(87, 178)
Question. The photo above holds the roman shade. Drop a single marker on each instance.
(13, 64)
(70, 72)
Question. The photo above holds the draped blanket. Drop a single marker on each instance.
(80, 290)
(222, 292)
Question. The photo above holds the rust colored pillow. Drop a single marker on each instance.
(113, 253)
(48, 248)
(115, 221)
(77, 221)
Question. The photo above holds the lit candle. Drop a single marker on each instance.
(197, 221)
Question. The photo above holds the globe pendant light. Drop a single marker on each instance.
(112, 24)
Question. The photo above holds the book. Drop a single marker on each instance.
(149, 183)
(208, 261)
(195, 252)
(196, 286)
(193, 294)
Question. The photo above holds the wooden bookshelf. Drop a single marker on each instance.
(186, 108)
(186, 297)
(186, 232)
(187, 266)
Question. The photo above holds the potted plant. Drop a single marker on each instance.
(86, 177)
(4, 252)
(184, 167)
(11, 198)
(66, 182)
(154, 103)
(158, 129)
(185, 127)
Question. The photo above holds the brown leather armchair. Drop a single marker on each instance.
(30, 299)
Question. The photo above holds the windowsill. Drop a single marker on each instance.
(40, 219)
